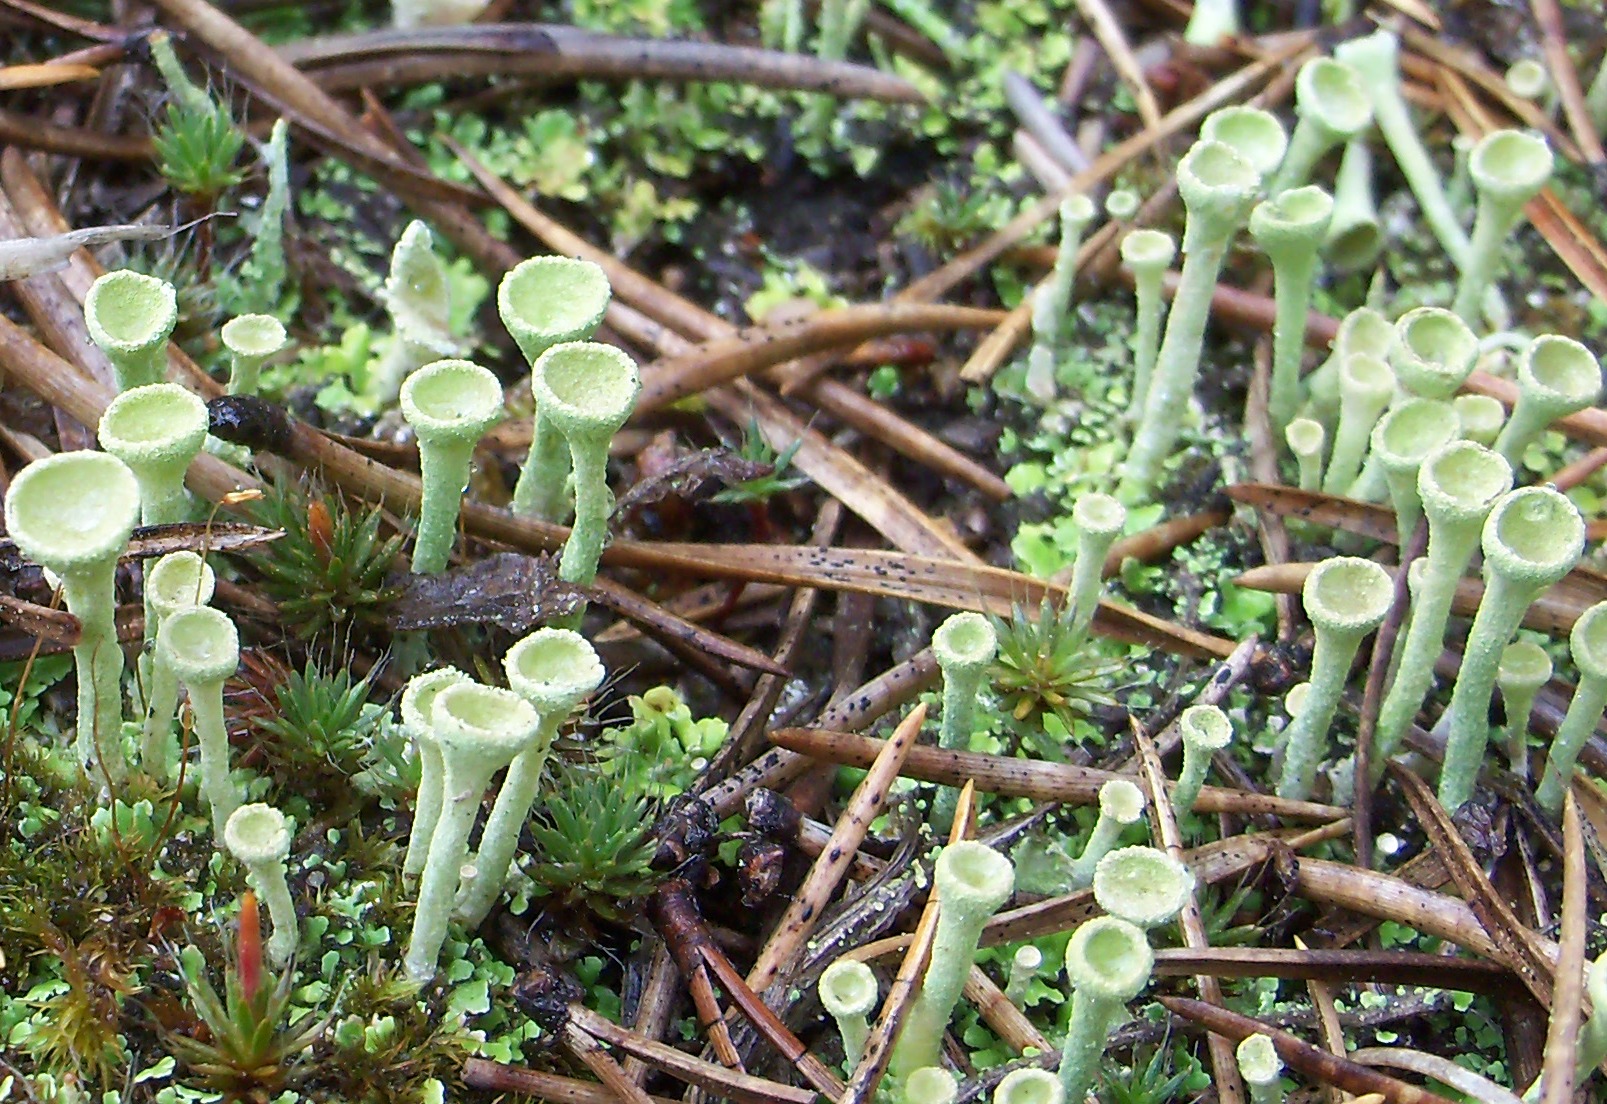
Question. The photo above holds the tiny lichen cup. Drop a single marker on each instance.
(964, 645)
(1121, 804)
(251, 339)
(1290, 228)
(1432, 353)
(1458, 486)
(130, 316)
(972, 880)
(1052, 298)
(1099, 520)
(553, 670)
(1260, 1067)
(177, 581)
(72, 513)
(1366, 385)
(157, 430)
(1109, 962)
(1029, 1086)
(418, 696)
(1557, 376)
(450, 404)
(587, 391)
(1525, 668)
(1306, 439)
(1142, 885)
(1588, 646)
(1147, 254)
(1508, 168)
(1402, 440)
(1532, 538)
(547, 301)
(1254, 134)
(849, 993)
(1332, 108)
(479, 730)
(1346, 598)
(1363, 330)
(1218, 187)
(1206, 730)
(1481, 417)
(1355, 236)
(202, 647)
(259, 837)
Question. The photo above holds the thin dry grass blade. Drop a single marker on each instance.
(599, 1061)
(1336, 967)
(1311, 1061)
(1560, 65)
(1568, 997)
(1034, 779)
(1108, 30)
(1441, 1069)
(483, 1073)
(1388, 898)
(1328, 1027)
(44, 75)
(1365, 519)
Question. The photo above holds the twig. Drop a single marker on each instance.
(1562, 1037)
(1108, 29)
(579, 1043)
(1560, 67)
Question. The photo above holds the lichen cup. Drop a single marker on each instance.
(450, 404)
(72, 513)
(157, 430)
(130, 316)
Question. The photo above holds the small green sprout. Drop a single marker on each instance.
(756, 449)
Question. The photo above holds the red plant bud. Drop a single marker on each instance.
(249, 947)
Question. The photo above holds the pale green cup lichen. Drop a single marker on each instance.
(157, 430)
(1525, 668)
(1261, 1068)
(259, 837)
(1306, 438)
(202, 648)
(450, 404)
(1121, 803)
(417, 294)
(1481, 417)
(1029, 1086)
(1457, 486)
(1363, 330)
(1147, 254)
(417, 699)
(1254, 134)
(848, 992)
(1290, 229)
(479, 730)
(177, 581)
(1218, 187)
(1099, 519)
(1346, 598)
(587, 391)
(1024, 966)
(972, 880)
(964, 644)
(1432, 353)
(72, 513)
(1206, 730)
(1557, 376)
(1402, 440)
(1508, 168)
(930, 1085)
(552, 669)
(1143, 885)
(1109, 962)
(1332, 108)
(547, 301)
(1532, 538)
(1210, 21)
(251, 339)
(1366, 385)
(1052, 300)
(130, 316)
(1355, 237)
(1588, 645)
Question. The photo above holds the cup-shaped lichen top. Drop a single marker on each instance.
(1403, 438)
(1142, 885)
(202, 645)
(1331, 93)
(1557, 376)
(1206, 727)
(848, 988)
(72, 510)
(1433, 352)
(1122, 204)
(587, 389)
(930, 1085)
(178, 581)
(250, 339)
(451, 400)
(1534, 537)
(1029, 1086)
(1347, 595)
(1110, 958)
(553, 669)
(257, 833)
(1122, 801)
(483, 723)
(1461, 482)
(975, 877)
(1218, 186)
(1254, 134)
(1587, 643)
(965, 643)
(546, 301)
(418, 699)
(1259, 1063)
(1148, 250)
(1295, 221)
(130, 316)
(1480, 416)
(1510, 166)
(157, 430)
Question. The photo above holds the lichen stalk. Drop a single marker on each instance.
(1218, 187)
(1024, 966)
(1525, 668)
(202, 647)
(418, 697)
(972, 881)
(1099, 519)
(1206, 730)
(1332, 108)
(450, 404)
(1354, 236)
(177, 581)
(1588, 644)
(1346, 598)
(479, 729)
(1457, 486)
(1290, 230)
(1121, 803)
(1557, 376)
(964, 644)
(1147, 254)
(1366, 385)
(1109, 962)
(1508, 168)
(1052, 299)
(259, 837)
(1532, 538)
